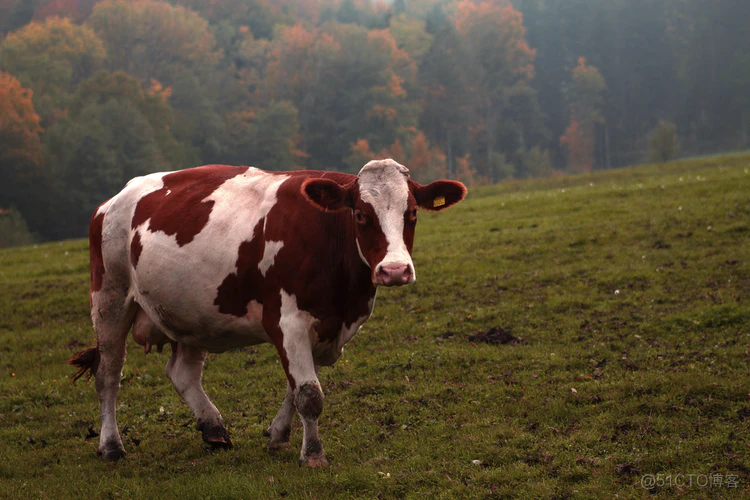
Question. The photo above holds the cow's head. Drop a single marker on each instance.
(383, 203)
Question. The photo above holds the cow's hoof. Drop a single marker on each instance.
(272, 445)
(216, 436)
(111, 452)
(314, 461)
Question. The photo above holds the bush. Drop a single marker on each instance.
(13, 229)
(504, 170)
(662, 143)
(535, 162)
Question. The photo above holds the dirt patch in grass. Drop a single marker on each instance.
(495, 336)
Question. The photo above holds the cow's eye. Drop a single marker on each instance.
(360, 218)
(412, 215)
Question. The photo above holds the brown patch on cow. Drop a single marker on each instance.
(86, 361)
(410, 222)
(239, 288)
(95, 253)
(495, 336)
(135, 249)
(328, 329)
(271, 322)
(309, 400)
(319, 264)
(179, 208)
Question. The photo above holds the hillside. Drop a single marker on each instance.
(626, 296)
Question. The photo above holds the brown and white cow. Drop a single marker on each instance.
(217, 257)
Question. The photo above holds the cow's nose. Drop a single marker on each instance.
(394, 274)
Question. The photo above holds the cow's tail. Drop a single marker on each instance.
(86, 361)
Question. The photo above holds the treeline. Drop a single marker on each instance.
(95, 92)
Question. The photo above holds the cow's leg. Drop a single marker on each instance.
(112, 316)
(308, 397)
(185, 369)
(289, 328)
(278, 432)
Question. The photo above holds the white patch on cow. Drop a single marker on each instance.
(361, 255)
(169, 191)
(297, 328)
(105, 206)
(383, 184)
(198, 268)
(269, 254)
(255, 311)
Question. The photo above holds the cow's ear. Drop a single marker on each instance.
(437, 195)
(326, 194)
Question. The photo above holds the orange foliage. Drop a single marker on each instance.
(158, 90)
(19, 124)
(585, 97)
(397, 152)
(419, 161)
(295, 60)
(464, 172)
(361, 154)
(380, 111)
(579, 140)
(500, 24)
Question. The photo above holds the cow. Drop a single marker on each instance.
(220, 257)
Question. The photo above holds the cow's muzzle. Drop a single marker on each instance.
(394, 275)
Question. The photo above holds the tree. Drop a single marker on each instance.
(360, 155)
(20, 145)
(115, 131)
(173, 45)
(425, 165)
(13, 229)
(27, 184)
(662, 143)
(276, 137)
(410, 36)
(585, 98)
(300, 69)
(501, 64)
(51, 58)
(444, 84)
(152, 103)
(77, 10)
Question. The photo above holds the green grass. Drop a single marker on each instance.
(629, 290)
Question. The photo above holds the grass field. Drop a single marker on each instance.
(628, 292)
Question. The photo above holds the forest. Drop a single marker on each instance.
(96, 92)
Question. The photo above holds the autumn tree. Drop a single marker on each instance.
(20, 145)
(26, 182)
(425, 165)
(300, 68)
(444, 85)
(360, 155)
(410, 36)
(51, 58)
(585, 98)
(501, 65)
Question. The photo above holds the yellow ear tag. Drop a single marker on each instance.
(438, 202)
